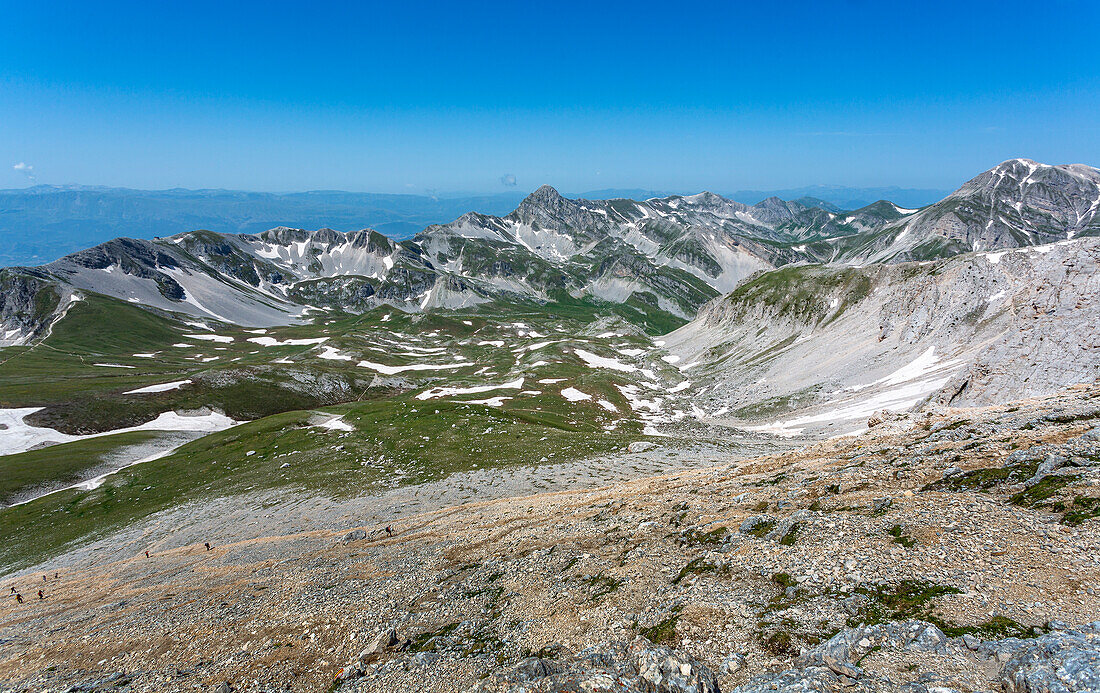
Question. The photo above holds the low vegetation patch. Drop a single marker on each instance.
(696, 566)
(906, 600)
(898, 533)
(985, 479)
(663, 632)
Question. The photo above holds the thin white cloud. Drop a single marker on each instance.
(27, 170)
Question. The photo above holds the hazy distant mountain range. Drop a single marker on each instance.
(44, 222)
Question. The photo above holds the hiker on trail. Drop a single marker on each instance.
(13, 590)
(40, 595)
(18, 598)
(43, 578)
(207, 546)
(55, 575)
(147, 554)
(389, 530)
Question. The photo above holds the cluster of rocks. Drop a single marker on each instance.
(609, 668)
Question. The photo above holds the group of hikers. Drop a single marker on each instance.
(56, 576)
(45, 578)
(41, 593)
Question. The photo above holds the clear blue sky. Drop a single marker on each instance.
(408, 97)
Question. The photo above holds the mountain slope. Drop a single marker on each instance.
(809, 347)
(1016, 204)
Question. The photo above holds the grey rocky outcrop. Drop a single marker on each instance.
(610, 668)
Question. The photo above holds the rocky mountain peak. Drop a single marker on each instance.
(545, 196)
(546, 207)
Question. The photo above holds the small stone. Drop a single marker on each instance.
(733, 664)
(385, 639)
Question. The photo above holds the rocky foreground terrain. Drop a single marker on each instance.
(946, 551)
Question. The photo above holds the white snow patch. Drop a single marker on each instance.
(20, 436)
(491, 402)
(332, 354)
(596, 361)
(449, 391)
(574, 395)
(271, 341)
(391, 370)
(336, 424)
(163, 387)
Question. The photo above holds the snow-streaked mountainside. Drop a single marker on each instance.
(808, 347)
(658, 260)
(1016, 204)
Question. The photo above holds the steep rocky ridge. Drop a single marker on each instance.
(808, 347)
(1018, 203)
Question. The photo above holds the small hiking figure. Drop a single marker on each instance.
(147, 554)
(40, 595)
(55, 575)
(207, 546)
(389, 530)
(13, 590)
(43, 578)
(18, 598)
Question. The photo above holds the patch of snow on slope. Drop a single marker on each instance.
(392, 370)
(898, 399)
(491, 402)
(332, 354)
(574, 395)
(596, 361)
(271, 341)
(20, 436)
(449, 391)
(336, 424)
(163, 387)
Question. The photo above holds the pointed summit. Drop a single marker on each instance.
(547, 207)
(545, 195)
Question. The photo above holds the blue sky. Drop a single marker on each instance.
(413, 97)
